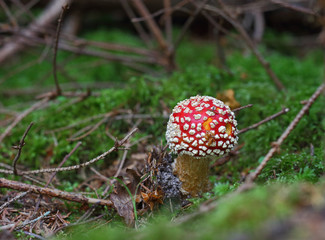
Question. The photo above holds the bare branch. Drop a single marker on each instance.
(20, 148)
(75, 167)
(6, 204)
(4, 183)
(137, 26)
(49, 14)
(22, 225)
(168, 21)
(63, 161)
(240, 108)
(294, 7)
(189, 22)
(177, 6)
(8, 13)
(152, 25)
(56, 43)
(228, 16)
(251, 177)
(284, 110)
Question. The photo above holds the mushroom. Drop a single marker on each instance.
(198, 128)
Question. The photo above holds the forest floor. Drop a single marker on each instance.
(107, 134)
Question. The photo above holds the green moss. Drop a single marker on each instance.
(241, 214)
(301, 157)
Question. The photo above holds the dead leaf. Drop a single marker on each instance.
(153, 198)
(228, 97)
(123, 203)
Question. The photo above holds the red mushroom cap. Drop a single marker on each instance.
(201, 126)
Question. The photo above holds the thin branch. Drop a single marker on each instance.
(125, 153)
(129, 60)
(22, 225)
(20, 195)
(53, 174)
(283, 111)
(251, 177)
(138, 26)
(20, 148)
(4, 183)
(63, 161)
(118, 117)
(92, 129)
(76, 224)
(240, 108)
(294, 7)
(48, 15)
(34, 235)
(57, 36)
(75, 167)
(8, 13)
(228, 16)
(168, 22)
(24, 9)
(152, 25)
(161, 11)
(188, 22)
(117, 47)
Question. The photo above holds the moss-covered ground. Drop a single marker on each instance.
(290, 183)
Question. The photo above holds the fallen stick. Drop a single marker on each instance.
(283, 111)
(225, 13)
(20, 148)
(4, 183)
(75, 167)
(25, 223)
(18, 43)
(251, 177)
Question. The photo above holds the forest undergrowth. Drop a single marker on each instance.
(108, 133)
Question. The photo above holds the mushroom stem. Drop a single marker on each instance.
(193, 173)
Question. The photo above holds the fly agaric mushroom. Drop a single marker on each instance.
(198, 128)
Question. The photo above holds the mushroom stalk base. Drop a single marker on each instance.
(193, 173)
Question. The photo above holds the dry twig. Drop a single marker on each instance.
(56, 43)
(240, 108)
(25, 223)
(189, 22)
(49, 14)
(125, 4)
(20, 148)
(75, 167)
(283, 111)
(276, 145)
(152, 25)
(294, 7)
(4, 183)
(168, 22)
(226, 14)
(6, 204)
